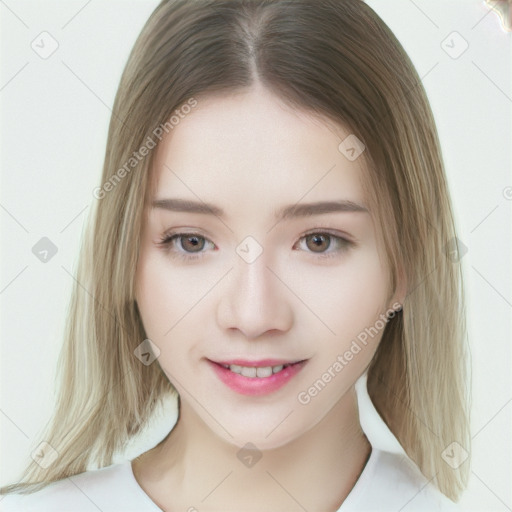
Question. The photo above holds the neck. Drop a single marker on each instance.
(210, 476)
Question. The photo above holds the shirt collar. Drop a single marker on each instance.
(378, 433)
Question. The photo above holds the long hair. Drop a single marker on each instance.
(333, 58)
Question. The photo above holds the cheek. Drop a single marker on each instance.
(344, 298)
(158, 297)
(349, 300)
(170, 301)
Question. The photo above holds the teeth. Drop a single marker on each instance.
(248, 371)
(252, 372)
(264, 372)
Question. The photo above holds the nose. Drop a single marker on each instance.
(254, 301)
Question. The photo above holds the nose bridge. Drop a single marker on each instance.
(255, 300)
(254, 280)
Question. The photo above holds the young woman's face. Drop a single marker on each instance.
(240, 287)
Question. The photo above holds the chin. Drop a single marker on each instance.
(265, 434)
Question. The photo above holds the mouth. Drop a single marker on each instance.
(259, 369)
(256, 377)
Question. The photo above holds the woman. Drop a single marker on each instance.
(273, 226)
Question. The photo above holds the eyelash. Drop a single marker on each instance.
(167, 240)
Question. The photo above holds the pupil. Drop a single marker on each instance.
(194, 242)
(318, 240)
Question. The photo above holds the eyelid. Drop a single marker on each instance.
(333, 232)
(319, 230)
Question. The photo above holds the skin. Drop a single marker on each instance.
(250, 155)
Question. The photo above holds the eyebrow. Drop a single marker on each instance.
(287, 212)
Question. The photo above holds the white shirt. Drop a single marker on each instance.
(390, 481)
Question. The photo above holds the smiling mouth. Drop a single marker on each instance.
(259, 370)
(256, 377)
(256, 371)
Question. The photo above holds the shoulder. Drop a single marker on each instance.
(109, 489)
(397, 484)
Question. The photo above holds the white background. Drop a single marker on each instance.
(55, 115)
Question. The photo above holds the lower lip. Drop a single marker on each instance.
(256, 385)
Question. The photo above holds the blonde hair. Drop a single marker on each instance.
(333, 58)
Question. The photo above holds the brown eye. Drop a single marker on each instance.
(192, 243)
(186, 246)
(318, 242)
(323, 244)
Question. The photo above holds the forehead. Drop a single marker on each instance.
(249, 150)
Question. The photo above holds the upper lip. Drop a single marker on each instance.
(259, 363)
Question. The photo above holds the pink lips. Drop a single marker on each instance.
(256, 385)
